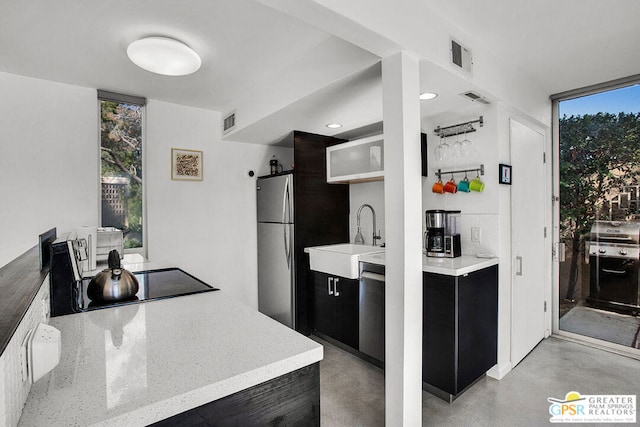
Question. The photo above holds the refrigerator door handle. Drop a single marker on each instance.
(287, 248)
(286, 203)
(285, 207)
(329, 288)
(335, 287)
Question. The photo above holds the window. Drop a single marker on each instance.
(121, 166)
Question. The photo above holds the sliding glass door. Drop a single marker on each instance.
(598, 155)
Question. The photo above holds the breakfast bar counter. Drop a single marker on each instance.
(141, 363)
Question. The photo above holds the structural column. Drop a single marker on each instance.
(403, 222)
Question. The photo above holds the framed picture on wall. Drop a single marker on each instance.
(186, 165)
(505, 174)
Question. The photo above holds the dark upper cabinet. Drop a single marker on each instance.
(321, 214)
(460, 329)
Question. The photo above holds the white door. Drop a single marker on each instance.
(528, 241)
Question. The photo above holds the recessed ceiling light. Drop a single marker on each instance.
(333, 125)
(162, 55)
(428, 95)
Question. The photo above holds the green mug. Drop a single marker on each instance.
(476, 184)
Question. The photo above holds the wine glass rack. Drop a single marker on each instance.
(459, 129)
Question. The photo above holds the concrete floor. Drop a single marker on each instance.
(352, 391)
(604, 325)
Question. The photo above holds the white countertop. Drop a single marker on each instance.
(140, 363)
(448, 266)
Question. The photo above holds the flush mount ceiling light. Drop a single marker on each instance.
(333, 125)
(162, 55)
(428, 95)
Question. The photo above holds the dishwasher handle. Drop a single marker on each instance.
(372, 276)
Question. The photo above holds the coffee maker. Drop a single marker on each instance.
(442, 238)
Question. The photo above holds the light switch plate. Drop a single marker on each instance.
(475, 234)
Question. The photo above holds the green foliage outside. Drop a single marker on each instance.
(599, 153)
(121, 157)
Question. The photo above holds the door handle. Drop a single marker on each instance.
(606, 270)
(559, 251)
(335, 287)
(518, 266)
(329, 287)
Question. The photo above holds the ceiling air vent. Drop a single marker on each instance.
(229, 122)
(476, 98)
(461, 58)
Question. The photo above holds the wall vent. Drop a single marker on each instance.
(229, 122)
(476, 98)
(461, 58)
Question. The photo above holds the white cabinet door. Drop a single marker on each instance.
(528, 241)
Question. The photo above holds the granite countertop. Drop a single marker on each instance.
(448, 266)
(140, 363)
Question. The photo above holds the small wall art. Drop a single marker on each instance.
(186, 165)
(504, 174)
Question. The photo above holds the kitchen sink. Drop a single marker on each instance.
(341, 259)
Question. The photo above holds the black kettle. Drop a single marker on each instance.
(113, 283)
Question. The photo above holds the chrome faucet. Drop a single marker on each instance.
(359, 240)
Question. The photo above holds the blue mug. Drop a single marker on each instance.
(463, 185)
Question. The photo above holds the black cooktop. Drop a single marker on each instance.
(154, 285)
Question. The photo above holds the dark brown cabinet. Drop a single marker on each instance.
(460, 330)
(321, 215)
(291, 399)
(336, 308)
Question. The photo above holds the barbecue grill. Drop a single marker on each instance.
(614, 258)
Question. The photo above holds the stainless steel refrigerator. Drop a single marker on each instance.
(276, 266)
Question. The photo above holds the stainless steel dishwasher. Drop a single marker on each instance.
(371, 317)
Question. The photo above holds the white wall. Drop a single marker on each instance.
(371, 193)
(49, 178)
(478, 209)
(208, 228)
(48, 160)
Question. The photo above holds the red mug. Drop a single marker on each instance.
(451, 187)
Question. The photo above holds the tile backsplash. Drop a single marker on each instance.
(489, 226)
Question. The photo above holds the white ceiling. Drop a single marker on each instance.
(250, 51)
(243, 45)
(561, 44)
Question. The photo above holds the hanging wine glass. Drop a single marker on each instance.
(438, 152)
(457, 147)
(441, 152)
(465, 146)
